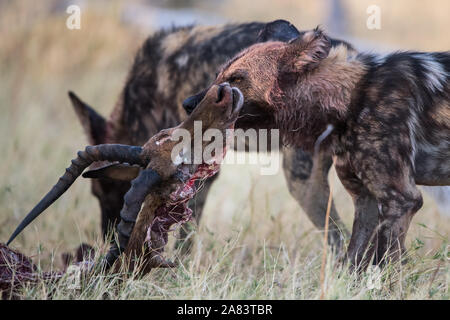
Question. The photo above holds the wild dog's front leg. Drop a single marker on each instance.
(391, 239)
(397, 207)
(361, 247)
(389, 176)
(308, 184)
(366, 220)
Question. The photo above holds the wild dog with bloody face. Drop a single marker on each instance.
(391, 119)
(173, 64)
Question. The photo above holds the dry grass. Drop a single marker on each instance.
(253, 242)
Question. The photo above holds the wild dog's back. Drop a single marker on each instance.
(411, 91)
(433, 143)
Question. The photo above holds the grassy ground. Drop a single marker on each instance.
(253, 242)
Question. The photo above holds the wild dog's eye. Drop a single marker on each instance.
(237, 77)
(234, 79)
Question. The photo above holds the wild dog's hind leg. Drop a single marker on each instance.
(308, 184)
(399, 201)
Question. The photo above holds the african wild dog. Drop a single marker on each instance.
(391, 119)
(172, 65)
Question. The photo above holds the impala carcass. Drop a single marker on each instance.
(163, 174)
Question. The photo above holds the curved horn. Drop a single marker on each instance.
(102, 152)
(140, 188)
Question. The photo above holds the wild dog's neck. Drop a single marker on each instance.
(321, 97)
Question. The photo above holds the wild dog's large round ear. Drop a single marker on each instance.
(306, 51)
(93, 123)
(278, 30)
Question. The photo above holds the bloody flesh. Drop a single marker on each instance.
(175, 210)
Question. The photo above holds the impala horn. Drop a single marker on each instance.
(102, 152)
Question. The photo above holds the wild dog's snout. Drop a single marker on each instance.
(228, 96)
(224, 95)
(238, 99)
(219, 94)
(190, 103)
(221, 91)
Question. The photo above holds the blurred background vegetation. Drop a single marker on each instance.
(40, 60)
